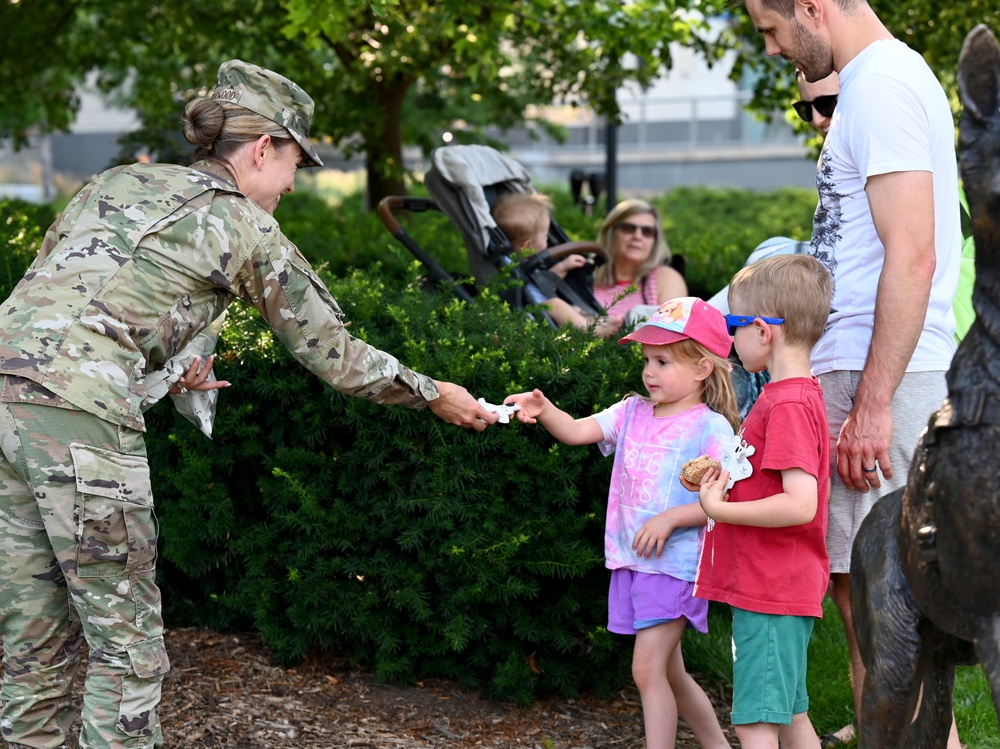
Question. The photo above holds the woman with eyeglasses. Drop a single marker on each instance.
(818, 101)
(637, 257)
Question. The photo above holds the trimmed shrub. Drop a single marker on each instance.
(716, 230)
(22, 229)
(324, 521)
(344, 237)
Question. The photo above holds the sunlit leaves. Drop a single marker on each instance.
(384, 73)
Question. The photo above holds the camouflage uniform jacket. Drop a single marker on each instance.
(147, 256)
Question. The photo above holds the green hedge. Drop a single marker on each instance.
(714, 229)
(324, 521)
(22, 228)
(329, 522)
(344, 237)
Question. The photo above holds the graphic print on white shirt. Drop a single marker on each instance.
(892, 116)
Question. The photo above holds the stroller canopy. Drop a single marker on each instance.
(464, 182)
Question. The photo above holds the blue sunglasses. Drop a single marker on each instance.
(740, 321)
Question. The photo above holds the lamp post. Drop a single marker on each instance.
(611, 164)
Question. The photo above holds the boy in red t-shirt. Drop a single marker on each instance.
(766, 554)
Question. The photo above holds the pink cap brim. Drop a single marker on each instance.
(653, 336)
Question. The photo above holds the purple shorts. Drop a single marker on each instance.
(639, 600)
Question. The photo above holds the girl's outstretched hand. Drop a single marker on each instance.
(532, 404)
(712, 494)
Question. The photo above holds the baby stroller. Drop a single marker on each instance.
(465, 182)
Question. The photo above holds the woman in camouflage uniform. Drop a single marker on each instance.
(142, 261)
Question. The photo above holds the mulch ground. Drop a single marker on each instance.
(223, 692)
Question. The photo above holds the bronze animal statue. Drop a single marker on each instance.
(925, 568)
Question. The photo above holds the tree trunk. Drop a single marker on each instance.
(384, 144)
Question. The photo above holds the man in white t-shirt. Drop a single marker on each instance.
(887, 227)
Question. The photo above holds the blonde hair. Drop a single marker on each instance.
(717, 389)
(521, 216)
(604, 275)
(797, 288)
(218, 129)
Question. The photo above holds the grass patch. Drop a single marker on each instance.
(974, 713)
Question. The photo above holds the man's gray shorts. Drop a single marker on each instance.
(918, 396)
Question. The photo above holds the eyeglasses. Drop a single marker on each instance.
(823, 104)
(627, 227)
(740, 321)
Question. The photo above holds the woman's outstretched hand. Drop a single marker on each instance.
(457, 406)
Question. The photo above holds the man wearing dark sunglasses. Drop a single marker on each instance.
(818, 100)
(887, 227)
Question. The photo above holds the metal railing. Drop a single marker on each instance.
(682, 123)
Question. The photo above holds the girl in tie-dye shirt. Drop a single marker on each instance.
(654, 527)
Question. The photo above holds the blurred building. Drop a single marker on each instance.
(689, 128)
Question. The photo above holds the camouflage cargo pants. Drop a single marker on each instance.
(77, 563)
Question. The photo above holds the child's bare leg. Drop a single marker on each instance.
(693, 704)
(799, 735)
(758, 735)
(653, 647)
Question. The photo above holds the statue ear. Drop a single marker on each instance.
(979, 73)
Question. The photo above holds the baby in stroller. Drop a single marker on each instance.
(465, 182)
(526, 221)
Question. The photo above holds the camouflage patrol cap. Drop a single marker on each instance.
(272, 96)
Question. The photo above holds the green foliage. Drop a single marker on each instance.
(343, 236)
(329, 522)
(468, 570)
(715, 230)
(340, 237)
(974, 713)
(934, 28)
(383, 73)
(36, 85)
(22, 228)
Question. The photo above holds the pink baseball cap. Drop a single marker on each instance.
(685, 317)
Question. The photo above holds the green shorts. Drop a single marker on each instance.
(769, 667)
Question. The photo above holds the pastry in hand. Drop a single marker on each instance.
(694, 469)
